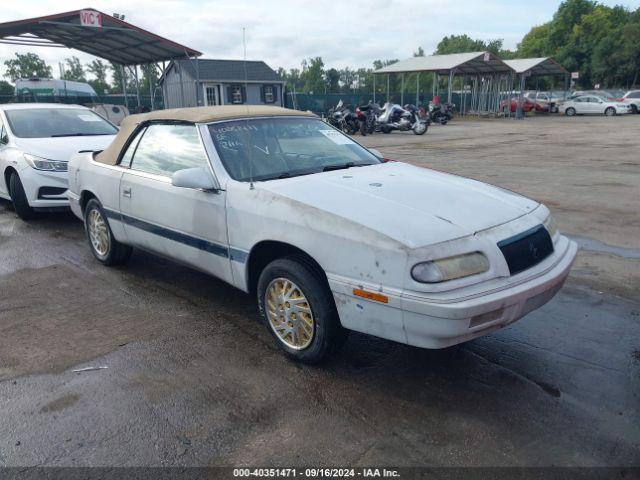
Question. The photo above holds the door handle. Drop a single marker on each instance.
(126, 192)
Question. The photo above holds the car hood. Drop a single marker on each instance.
(62, 148)
(412, 205)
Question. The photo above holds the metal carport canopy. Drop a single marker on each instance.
(462, 63)
(111, 38)
(537, 66)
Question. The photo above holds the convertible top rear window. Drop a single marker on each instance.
(269, 148)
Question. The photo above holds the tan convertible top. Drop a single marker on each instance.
(193, 115)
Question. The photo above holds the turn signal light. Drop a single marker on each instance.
(376, 297)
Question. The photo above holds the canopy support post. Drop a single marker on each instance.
(388, 87)
(182, 105)
(135, 76)
(451, 73)
(417, 88)
(124, 85)
(151, 87)
(374, 88)
(402, 89)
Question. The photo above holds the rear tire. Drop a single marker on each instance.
(610, 111)
(19, 198)
(102, 243)
(363, 129)
(570, 112)
(302, 280)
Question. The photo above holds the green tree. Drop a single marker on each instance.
(73, 70)
(536, 42)
(313, 75)
(26, 65)
(149, 78)
(333, 80)
(99, 70)
(6, 88)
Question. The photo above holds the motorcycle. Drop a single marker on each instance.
(367, 115)
(440, 112)
(343, 119)
(394, 117)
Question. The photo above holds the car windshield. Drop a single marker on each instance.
(57, 122)
(270, 148)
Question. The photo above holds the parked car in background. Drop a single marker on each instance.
(593, 105)
(528, 105)
(632, 97)
(328, 235)
(36, 142)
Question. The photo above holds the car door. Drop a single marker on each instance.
(595, 105)
(184, 224)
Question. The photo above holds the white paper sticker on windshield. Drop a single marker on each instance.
(89, 118)
(336, 137)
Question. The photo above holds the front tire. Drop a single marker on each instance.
(298, 309)
(102, 243)
(363, 129)
(19, 198)
(421, 129)
(610, 111)
(570, 112)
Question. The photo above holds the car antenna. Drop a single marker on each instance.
(246, 81)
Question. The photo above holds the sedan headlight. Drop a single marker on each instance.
(551, 226)
(450, 268)
(40, 163)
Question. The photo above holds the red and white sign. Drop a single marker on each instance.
(90, 18)
(487, 56)
(575, 75)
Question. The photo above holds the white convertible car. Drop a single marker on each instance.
(328, 235)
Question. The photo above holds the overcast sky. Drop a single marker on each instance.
(344, 33)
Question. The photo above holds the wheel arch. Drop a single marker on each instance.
(7, 175)
(85, 196)
(266, 251)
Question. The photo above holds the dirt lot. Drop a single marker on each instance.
(194, 379)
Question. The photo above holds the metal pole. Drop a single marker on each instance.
(124, 86)
(135, 75)
(374, 88)
(417, 88)
(450, 85)
(198, 86)
(388, 87)
(151, 86)
(433, 86)
(164, 83)
(402, 89)
(181, 84)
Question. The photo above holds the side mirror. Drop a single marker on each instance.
(376, 153)
(196, 178)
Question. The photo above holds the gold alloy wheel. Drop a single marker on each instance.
(98, 233)
(289, 313)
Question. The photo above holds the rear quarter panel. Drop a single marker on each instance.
(88, 177)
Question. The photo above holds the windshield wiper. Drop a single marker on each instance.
(343, 166)
(79, 134)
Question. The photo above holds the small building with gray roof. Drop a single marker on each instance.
(209, 82)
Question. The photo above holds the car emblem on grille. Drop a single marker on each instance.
(533, 250)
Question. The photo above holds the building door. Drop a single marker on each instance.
(211, 95)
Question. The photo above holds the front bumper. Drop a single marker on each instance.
(417, 319)
(33, 180)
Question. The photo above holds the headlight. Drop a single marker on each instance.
(450, 268)
(40, 163)
(550, 225)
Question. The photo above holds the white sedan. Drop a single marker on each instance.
(329, 236)
(593, 105)
(36, 142)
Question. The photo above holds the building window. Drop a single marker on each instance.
(236, 94)
(268, 94)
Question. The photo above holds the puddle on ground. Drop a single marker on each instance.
(593, 245)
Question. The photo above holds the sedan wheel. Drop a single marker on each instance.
(610, 112)
(570, 112)
(289, 313)
(102, 243)
(297, 305)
